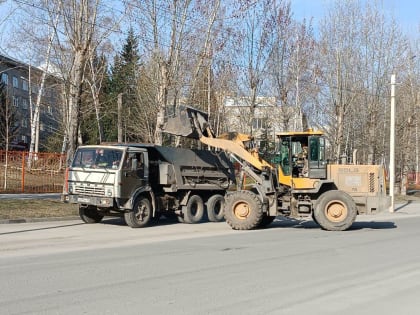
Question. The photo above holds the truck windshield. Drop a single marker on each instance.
(97, 158)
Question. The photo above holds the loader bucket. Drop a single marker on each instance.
(187, 122)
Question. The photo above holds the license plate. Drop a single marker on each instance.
(81, 199)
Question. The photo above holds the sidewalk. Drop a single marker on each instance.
(403, 209)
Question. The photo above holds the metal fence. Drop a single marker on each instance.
(42, 173)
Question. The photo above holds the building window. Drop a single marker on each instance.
(49, 109)
(24, 103)
(15, 82)
(24, 139)
(41, 127)
(16, 123)
(15, 101)
(25, 85)
(34, 88)
(259, 123)
(5, 78)
(24, 123)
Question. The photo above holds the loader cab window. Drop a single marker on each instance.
(283, 157)
(293, 155)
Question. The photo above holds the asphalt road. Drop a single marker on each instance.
(290, 268)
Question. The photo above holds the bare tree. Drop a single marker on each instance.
(8, 118)
(255, 41)
(177, 51)
(292, 68)
(83, 25)
(338, 48)
(359, 50)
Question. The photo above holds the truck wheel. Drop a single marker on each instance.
(243, 210)
(335, 210)
(90, 214)
(266, 221)
(194, 210)
(215, 206)
(141, 214)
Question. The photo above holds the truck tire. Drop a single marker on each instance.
(141, 215)
(90, 214)
(243, 210)
(194, 210)
(215, 206)
(335, 210)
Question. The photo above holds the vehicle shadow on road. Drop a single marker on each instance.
(402, 206)
(161, 221)
(282, 222)
(44, 228)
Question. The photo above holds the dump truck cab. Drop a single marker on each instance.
(107, 176)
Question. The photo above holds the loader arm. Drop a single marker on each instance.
(193, 123)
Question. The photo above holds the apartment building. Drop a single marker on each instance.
(267, 119)
(22, 82)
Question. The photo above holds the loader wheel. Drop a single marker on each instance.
(141, 215)
(243, 210)
(215, 206)
(90, 214)
(194, 210)
(266, 221)
(335, 210)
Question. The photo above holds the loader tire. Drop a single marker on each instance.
(243, 210)
(215, 206)
(90, 214)
(194, 210)
(141, 214)
(335, 210)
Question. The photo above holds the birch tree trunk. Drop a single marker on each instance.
(35, 108)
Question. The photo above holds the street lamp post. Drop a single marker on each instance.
(392, 146)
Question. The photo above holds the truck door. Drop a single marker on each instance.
(316, 157)
(135, 171)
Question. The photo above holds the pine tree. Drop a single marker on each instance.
(124, 80)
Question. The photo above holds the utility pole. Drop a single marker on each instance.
(417, 137)
(119, 123)
(392, 146)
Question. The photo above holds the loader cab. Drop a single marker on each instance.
(302, 155)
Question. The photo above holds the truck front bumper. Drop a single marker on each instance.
(103, 202)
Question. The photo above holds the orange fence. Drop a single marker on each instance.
(43, 172)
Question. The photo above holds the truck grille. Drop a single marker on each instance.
(88, 190)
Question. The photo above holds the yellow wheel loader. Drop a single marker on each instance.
(297, 182)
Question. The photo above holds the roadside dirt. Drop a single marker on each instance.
(35, 208)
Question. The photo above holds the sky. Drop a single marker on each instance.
(406, 12)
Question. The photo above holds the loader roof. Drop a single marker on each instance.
(308, 132)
